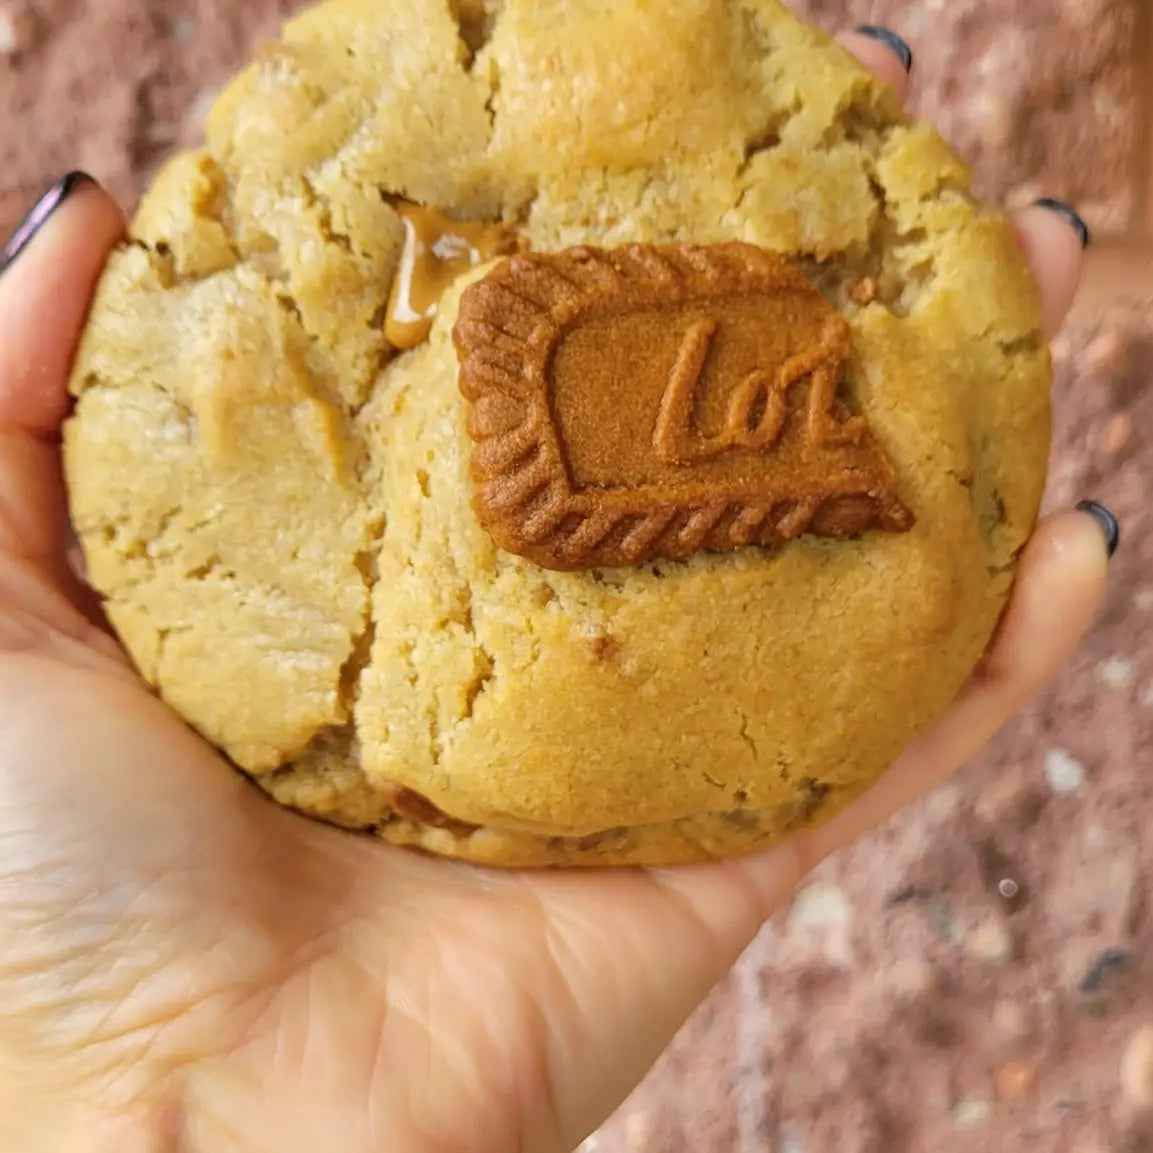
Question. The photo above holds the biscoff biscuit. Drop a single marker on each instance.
(592, 373)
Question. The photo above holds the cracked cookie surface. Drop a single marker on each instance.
(276, 502)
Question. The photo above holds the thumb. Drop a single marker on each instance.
(48, 272)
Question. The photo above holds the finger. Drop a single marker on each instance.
(44, 296)
(50, 271)
(1054, 238)
(883, 53)
(1059, 589)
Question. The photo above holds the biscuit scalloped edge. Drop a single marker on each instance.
(508, 329)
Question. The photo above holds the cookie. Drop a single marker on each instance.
(560, 434)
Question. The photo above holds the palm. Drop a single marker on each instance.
(182, 964)
(158, 916)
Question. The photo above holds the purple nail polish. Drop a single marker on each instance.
(39, 216)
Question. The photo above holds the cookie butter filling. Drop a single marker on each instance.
(437, 250)
(412, 806)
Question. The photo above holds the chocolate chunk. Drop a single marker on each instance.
(651, 403)
(421, 811)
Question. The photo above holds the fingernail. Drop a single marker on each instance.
(40, 215)
(1071, 215)
(1110, 526)
(891, 40)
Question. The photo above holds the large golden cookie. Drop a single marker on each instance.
(654, 567)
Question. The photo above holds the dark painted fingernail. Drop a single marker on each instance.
(1071, 215)
(40, 215)
(891, 40)
(1110, 526)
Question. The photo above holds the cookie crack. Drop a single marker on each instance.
(327, 391)
(174, 252)
(812, 797)
(767, 140)
(485, 671)
(163, 637)
(746, 737)
(481, 679)
(896, 285)
(475, 21)
(862, 121)
(321, 205)
(490, 101)
(366, 559)
(872, 271)
(360, 656)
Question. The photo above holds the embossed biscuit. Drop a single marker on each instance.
(654, 402)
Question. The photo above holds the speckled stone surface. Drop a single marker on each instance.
(978, 975)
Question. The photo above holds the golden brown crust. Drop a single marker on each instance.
(589, 456)
(276, 502)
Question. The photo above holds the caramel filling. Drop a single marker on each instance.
(436, 251)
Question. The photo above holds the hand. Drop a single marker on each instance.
(184, 966)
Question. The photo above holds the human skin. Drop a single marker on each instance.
(186, 967)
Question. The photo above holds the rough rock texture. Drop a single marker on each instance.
(905, 1005)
